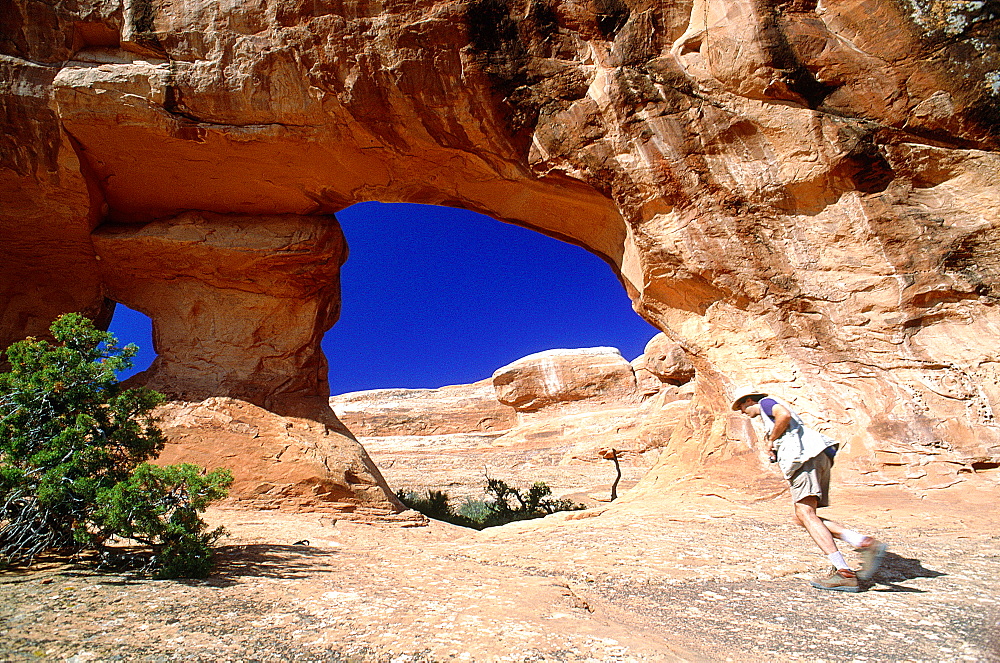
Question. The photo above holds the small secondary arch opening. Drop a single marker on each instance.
(130, 326)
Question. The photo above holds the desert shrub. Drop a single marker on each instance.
(506, 504)
(503, 504)
(436, 505)
(159, 506)
(474, 510)
(70, 436)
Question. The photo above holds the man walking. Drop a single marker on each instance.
(805, 457)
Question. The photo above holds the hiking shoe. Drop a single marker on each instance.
(872, 551)
(838, 580)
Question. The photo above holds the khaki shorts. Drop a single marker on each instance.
(813, 478)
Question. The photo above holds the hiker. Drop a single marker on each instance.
(805, 457)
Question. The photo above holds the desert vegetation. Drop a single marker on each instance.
(503, 504)
(74, 476)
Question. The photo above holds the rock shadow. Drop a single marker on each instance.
(266, 561)
(896, 569)
(232, 562)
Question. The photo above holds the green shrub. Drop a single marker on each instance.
(159, 506)
(504, 504)
(474, 510)
(72, 446)
(436, 505)
(508, 504)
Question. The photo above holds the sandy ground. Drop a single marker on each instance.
(684, 578)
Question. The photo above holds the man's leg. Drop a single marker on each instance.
(810, 490)
(805, 515)
(815, 480)
(848, 536)
(841, 578)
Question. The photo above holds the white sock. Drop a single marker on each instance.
(837, 559)
(852, 538)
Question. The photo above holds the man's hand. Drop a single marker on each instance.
(782, 419)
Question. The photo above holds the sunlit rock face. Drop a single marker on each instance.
(241, 302)
(557, 416)
(587, 379)
(277, 462)
(801, 195)
(464, 408)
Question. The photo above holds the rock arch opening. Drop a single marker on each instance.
(420, 279)
(435, 295)
(472, 347)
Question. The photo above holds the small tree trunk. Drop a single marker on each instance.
(618, 468)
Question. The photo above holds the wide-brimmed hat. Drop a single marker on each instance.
(746, 392)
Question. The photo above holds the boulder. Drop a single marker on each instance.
(588, 378)
(666, 360)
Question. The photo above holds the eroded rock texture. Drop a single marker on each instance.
(239, 301)
(289, 463)
(803, 195)
(464, 408)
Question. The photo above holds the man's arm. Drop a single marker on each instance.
(782, 418)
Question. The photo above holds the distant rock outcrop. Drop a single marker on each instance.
(802, 195)
(472, 408)
(551, 415)
(590, 378)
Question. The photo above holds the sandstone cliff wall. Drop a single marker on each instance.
(802, 195)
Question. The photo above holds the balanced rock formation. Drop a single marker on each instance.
(800, 195)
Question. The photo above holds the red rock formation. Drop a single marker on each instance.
(552, 416)
(241, 303)
(277, 462)
(800, 195)
(472, 408)
(666, 361)
(587, 379)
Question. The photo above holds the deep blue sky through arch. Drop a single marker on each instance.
(436, 295)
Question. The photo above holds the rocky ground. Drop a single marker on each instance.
(696, 578)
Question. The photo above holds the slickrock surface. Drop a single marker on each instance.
(696, 580)
(472, 408)
(800, 194)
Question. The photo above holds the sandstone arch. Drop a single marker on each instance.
(802, 195)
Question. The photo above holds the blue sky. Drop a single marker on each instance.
(435, 296)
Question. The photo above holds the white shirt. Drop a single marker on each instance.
(797, 444)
